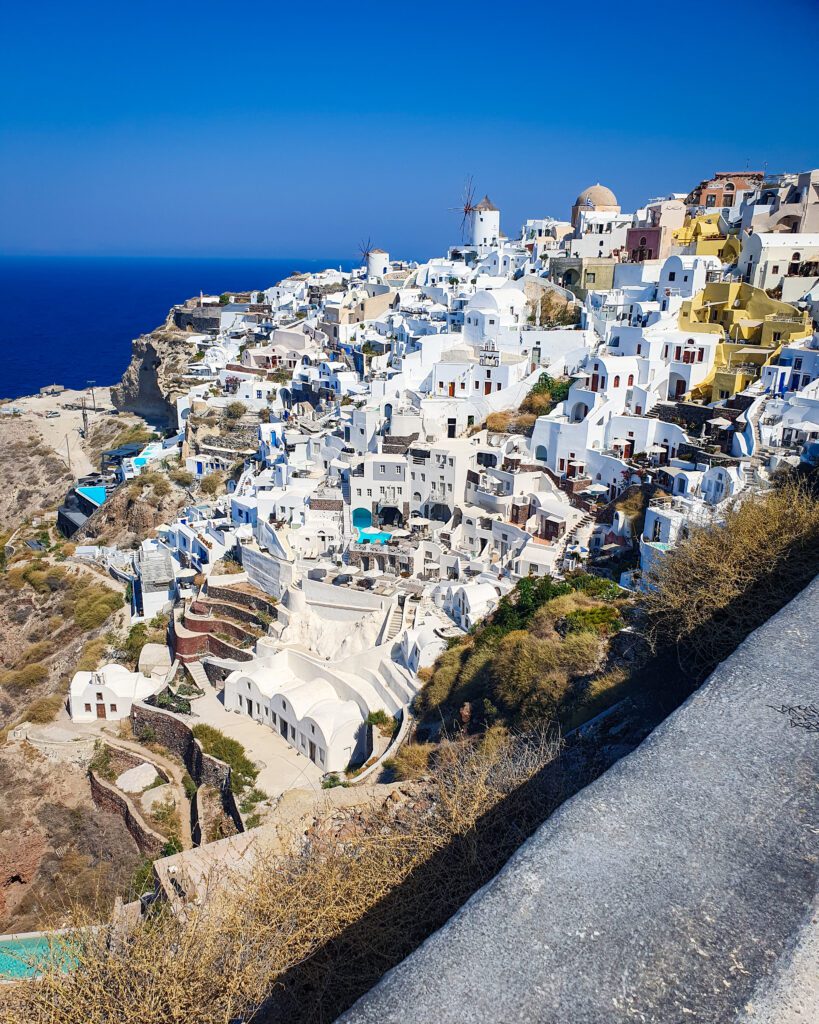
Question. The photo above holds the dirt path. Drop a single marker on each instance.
(62, 432)
(174, 772)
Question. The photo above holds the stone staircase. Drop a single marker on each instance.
(198, 674)
(394, 626)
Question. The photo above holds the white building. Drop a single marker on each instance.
(109, 692)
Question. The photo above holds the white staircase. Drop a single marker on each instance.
(394, 627)
(198, 674)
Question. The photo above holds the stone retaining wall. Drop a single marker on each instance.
(177, 736)
(259, 602)
(109, 798)
(223, 608)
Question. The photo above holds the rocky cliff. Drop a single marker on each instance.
(153, 380)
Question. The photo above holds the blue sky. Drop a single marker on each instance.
(248, 129)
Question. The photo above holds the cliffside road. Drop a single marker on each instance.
(681, 886)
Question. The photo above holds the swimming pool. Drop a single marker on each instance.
(20, 957)
(373, 536)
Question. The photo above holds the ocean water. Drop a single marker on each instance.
(68, 320)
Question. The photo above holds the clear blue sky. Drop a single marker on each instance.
(294, 129)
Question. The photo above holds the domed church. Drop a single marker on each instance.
(595, 197)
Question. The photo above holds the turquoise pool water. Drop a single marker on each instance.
(96, 494)
(373, 536)
(19, 958)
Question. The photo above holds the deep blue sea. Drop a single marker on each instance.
(68, 320)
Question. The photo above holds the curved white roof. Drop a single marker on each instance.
(304, 696)
(332, 715)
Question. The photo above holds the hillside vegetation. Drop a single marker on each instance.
(537, 654)
(299, 938)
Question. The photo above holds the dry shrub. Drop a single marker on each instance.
(538, 404)
(22, 678)
(45, 709)
(412, 761)
(298, 938)
(91, 655)
(511, 422)
(723, 581)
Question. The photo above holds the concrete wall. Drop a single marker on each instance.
(680, 886)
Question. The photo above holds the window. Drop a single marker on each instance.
(700, 354)
(672, 276)
(113, 708)
(630, 380)
(99, 696)
(775, 268)
(87, 707)
(369, 492)
(293, 733)
(617, 381)
(313, 729)
(321, 755)
(590, 277)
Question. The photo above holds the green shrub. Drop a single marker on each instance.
(331, 781)
(243, 772)
(604, 620)
(100, 763)
(189, 786)
(382, 721)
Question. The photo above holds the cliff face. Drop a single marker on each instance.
(152, 382)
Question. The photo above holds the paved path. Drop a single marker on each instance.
(282, 767)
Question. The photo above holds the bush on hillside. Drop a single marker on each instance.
(243, 772)
(722, 581)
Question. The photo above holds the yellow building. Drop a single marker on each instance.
(702, 236)
(752, 328)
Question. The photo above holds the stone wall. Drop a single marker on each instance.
(231, 611)
(258, 601)
(174, 734)
(109, 798)
(199, 320)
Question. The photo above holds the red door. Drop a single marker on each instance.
(594, 382)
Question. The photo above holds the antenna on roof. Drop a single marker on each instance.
(467, 204)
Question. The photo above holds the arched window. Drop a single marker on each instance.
(797, 256)
(630, 379)
(541, 453)
(643, 240)
(617, 381)
(729, 186)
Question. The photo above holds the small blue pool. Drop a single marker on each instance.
(21, 958)
(95, 494)
(373, 536)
